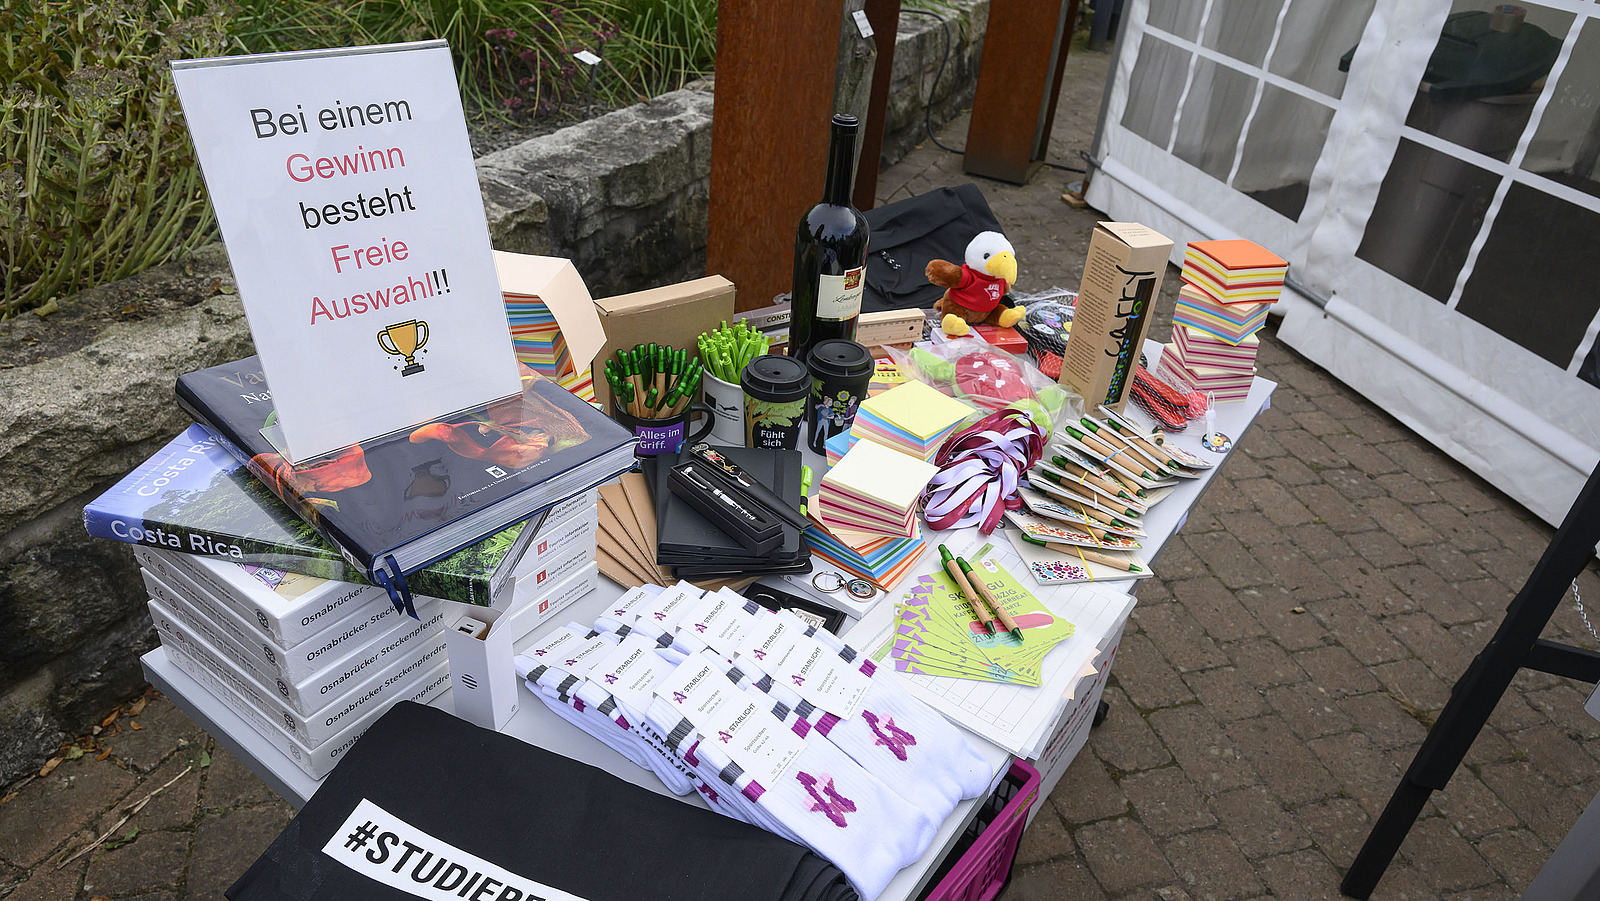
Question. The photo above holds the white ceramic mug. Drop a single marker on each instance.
(726, 401)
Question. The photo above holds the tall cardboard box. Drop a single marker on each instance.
(673, 315)
(1121, 281)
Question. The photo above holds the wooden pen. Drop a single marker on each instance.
(1084, 553)
(983, 591)
(979, 612)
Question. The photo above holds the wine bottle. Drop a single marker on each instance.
(830, 253)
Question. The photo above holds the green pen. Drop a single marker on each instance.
(1102, 448)
(1105, 484)
(982, 591)
(1094, 427)
(1084, 553)
(805, 488)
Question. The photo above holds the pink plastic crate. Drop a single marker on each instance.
(984, 868)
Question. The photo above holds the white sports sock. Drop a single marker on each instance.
(830, 804)
(893, 732)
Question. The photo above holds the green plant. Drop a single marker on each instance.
(97, 177)
(665, 44)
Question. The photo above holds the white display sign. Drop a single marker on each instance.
(344, 185)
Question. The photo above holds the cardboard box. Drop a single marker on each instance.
(1121, 281)
(673, 315)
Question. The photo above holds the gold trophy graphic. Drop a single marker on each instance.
(404, 339)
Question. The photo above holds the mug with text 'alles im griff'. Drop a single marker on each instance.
(667, 434)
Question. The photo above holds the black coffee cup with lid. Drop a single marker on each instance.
(775, 389)
(840, 369)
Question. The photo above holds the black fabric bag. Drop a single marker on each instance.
(909, 234)
(443, 808)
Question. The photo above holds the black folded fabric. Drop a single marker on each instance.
(443, 809)
(909, 234)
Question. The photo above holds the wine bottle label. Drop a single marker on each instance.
(839, 296)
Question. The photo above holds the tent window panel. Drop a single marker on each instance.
(1566, 148)
(1154, 89)
(1282, 147)
(1533, 282)
(1485, 74)
(1427, 214)
(1316, 33)
(1212, 118)
(1176, 17)
(1242, 29)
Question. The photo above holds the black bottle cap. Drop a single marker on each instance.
(771, 377)
(839, 358)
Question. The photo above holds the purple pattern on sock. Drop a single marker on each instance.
(754, 791)
(826, 723)
(897, 738)
(868, 667)
(835, 805)
(801, 727)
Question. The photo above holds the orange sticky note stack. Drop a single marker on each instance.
(1228, 286)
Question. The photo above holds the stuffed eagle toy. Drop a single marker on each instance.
(974, 290)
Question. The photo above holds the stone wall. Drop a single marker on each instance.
(86, 393)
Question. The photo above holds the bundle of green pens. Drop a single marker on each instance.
(726, 350)
(653, 381)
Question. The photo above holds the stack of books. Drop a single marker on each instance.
(879, 559)
(874, 489)
(260, 574)
(913, 418)
(1228, 287)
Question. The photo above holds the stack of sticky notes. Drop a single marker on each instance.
(536, 335)
(880, 559)
(913, 418)
(1232, 322)
(1227, 288)
(837, 446)
(874, 489)
(1236, 271)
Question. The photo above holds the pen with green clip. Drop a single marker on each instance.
(1065, 482)
(980, 613)
(1095, 478)
(805, 488)
(1085, 554)
(1133, 437)
(983, 591)
(1123, 443)
(1095, 444)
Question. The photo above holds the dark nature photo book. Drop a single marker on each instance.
(194, 497)
(395, 503)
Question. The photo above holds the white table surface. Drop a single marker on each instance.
(535, 724)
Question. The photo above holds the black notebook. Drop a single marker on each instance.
(684, 537)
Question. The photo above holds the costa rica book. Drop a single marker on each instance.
(194, 497)
(398, 502)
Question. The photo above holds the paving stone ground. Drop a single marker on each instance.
(1276, 677)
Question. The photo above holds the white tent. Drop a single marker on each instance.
(1439, 202)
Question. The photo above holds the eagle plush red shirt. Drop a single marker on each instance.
(978, 291)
